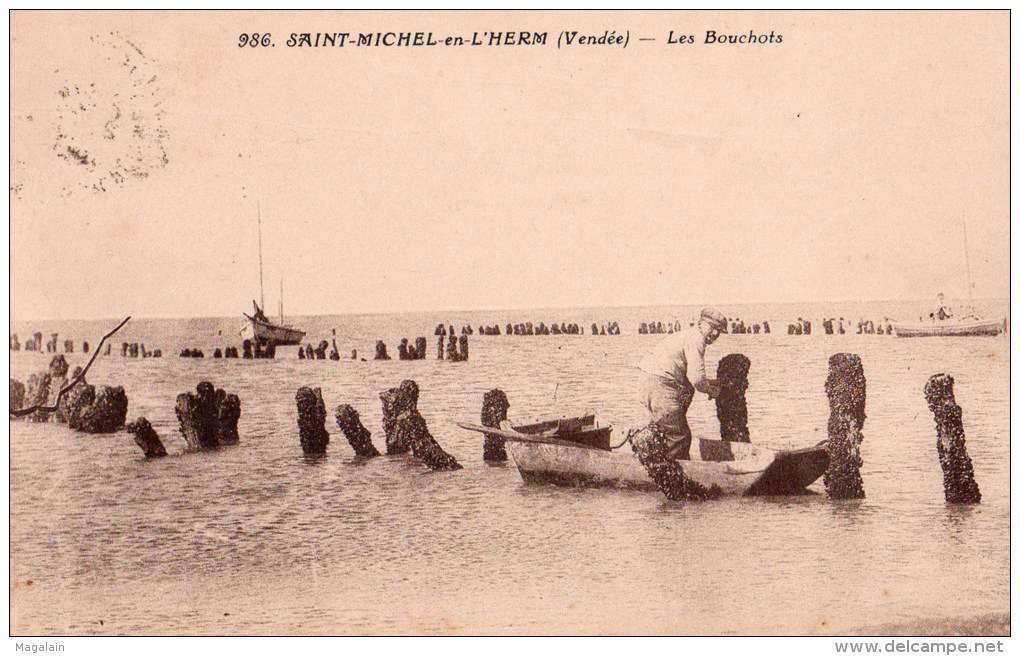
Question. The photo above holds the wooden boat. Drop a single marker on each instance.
(267, 332)
(968, 327)
(262, 330)
(576, 452)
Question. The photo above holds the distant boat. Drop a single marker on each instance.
(264, 331)
(942, 323)
(949, 326)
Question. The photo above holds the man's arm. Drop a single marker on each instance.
(696, 371)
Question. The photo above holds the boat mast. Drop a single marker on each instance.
(262, 297)
(966, 253)
(281, 301)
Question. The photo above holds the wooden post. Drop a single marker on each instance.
(146, 438)
(410, 428)
(107, 413)
(357, 435)
(957, 469)
(312, 421)
(17, 395)
(847, 390)
(731, 404)
(37, 394)
(197, 416)
(75, 404)
(393, 403)
(228, 411)
(494, 408)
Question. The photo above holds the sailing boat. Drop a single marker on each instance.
(263, 330)
(942, 323)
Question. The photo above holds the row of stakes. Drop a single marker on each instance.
(133, 350)
(254, 350)
(208, 419)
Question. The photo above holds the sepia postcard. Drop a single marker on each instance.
(510, 323)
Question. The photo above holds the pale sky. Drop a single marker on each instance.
(841, 164)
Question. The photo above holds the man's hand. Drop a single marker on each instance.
(713, 389)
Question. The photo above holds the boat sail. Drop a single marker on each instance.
(264, 331)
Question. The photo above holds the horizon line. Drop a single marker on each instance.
(512, 309)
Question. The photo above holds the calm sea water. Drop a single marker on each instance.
(256, 539)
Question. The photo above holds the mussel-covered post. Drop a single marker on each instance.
(197, 416)
(440, 357)
(957, 469)
(37, 394)
(494, 408)
(846, 389)
(17, 395)
(146, 438)
(412, 429)
(357, 435)
(463, 355)
(731, 404)
(380, 351)
(208, 419)
(653, 451)
(394, 402)
(106, 414)
(73, 406)
(312, 420)
(228, 411)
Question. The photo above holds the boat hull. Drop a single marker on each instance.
(277, 335)
(975, 329)
(757, 472)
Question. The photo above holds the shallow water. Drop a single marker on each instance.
(257, 539)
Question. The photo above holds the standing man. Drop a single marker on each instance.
(672, 372)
